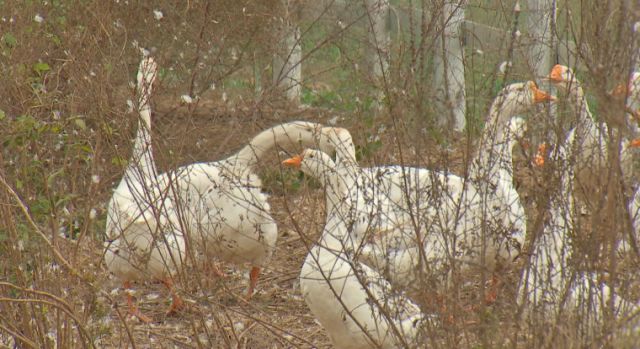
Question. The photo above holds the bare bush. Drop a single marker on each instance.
(228, 70)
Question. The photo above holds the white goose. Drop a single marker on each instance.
(543, 281)
(632, 94)
(145, 241)
(516, 218)
(353, 302)
(634, 216)
(448, 208)
(222, 202)
(588, 136)
(630, 91)
(491, 170)
(633, 103)
(374, 192)
(552, 287)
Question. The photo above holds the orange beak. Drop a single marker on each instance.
(556, 74)
(294, 161)
(620, 90)
(540, 96)
(538, 159)
(635, 143)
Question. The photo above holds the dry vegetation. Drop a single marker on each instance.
(67, 69)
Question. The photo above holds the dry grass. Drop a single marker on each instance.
(66, 131)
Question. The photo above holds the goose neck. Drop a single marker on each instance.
(249, 155)
(142, 145)
(336, 236)
(340, 213)
(142, 166)
(494, 144)
(579, 101)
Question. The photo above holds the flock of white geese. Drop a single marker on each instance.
(388, 229)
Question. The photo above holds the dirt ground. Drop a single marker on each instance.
(217, 314)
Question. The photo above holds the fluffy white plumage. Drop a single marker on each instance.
(145, 239)
(553, 287)
(223, 204)
(589, 138)
(435, 215)
(142, 226)
(354, 303)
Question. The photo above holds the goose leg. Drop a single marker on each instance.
(133, 309)
(253, 280)
(492, 294)
(176, 302)
(213, 268)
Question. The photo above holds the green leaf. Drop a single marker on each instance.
(84, 148)
(2, 115)
(119, 161)
(27, 123)
(80, 123)
(41, 206)
(108, 130)
(62, 21)
(9, 40)
(162, 73)
(65, 199)
(53, 176)
(55, 128)
(41, 67)
(56, 40)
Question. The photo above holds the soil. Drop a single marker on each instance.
(217, 313)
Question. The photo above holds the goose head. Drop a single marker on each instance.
(634, 85)
(629, 90)
(338, 140)
(561, 73)
(314, 163)
(517, 98)
(147, 72)
(317, 164)
(563, 78)
(305, 133)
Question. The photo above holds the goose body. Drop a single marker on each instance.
(403, 209)
(588, 138)
(491, 170)
(236, 222)
(504, 213)
(633, 102)
(515, 219)
(346, 296)
(443, 216)
(548, 269)
(223, 204)
(552, 286)
(145, 241)
(633, 206)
